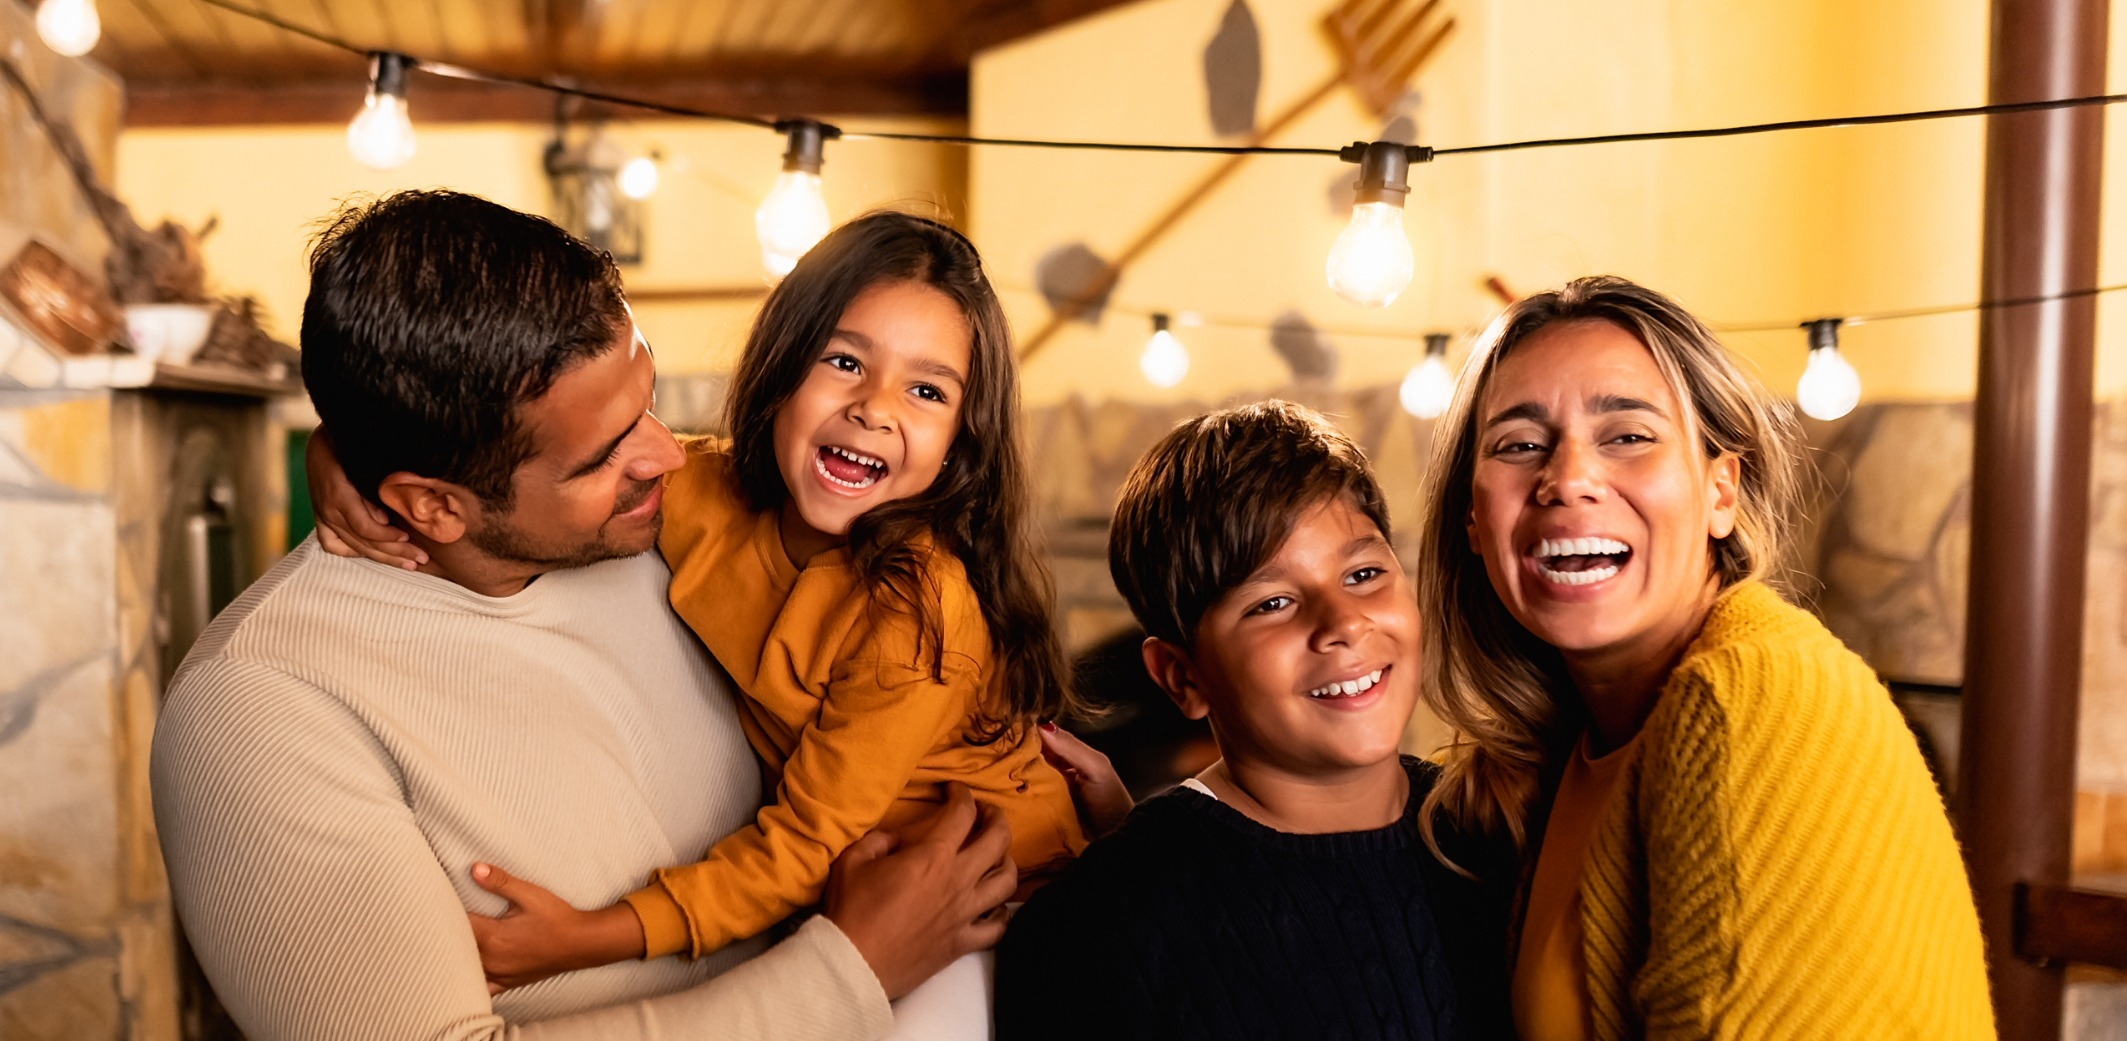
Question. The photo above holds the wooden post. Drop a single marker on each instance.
(2031, 486)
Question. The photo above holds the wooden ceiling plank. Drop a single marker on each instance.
(507, 29)
(464, 32)
(390, 36)
(682, 27)
(745, 34)
(1002, 22)
(727, 20)
(937, 23)
(179, 43)
(143, 41)
(572, 30)
(830, 28)
(612, 47)
(359, 23)
(696, 41)
(652, 32)
(295, 49)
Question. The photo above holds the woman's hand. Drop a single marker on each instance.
(541, 935)
(349, 525)
(1103, 802)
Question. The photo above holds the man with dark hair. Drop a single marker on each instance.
(1284, 892)
(348, 738)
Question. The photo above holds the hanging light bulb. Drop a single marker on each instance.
(1165, 361)
(69, 27)
(1429, 387)
(793, 217)
(1371, 262)
(381, 137)
(638, 177)
(1829, 387)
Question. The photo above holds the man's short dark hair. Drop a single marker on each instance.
(1214, 500)
(432, 317)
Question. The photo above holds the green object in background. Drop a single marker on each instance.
(300, 518)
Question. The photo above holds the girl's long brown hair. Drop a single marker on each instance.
(978, 508)
(1505, 692)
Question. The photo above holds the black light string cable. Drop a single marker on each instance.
(1419, 154)
(1924, 312)
(1229, 322)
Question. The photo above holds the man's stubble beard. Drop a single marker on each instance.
(503, 541)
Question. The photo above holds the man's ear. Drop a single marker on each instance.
(1726, 472)
(437, 510)
(1171, 667)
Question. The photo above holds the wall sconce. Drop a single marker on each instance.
(584, 178)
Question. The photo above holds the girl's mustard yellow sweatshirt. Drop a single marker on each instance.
(844, 709)
(1775, 861)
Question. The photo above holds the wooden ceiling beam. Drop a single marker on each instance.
(211, 103)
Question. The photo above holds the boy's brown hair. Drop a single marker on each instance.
(1216, 497)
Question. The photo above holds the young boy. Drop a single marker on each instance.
(1285, 892)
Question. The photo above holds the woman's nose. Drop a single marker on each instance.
(1572, 474)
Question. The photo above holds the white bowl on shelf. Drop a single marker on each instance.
(169, 333)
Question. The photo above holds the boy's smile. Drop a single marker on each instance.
(1308, 667)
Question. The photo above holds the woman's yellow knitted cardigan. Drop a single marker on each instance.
(1775, 862)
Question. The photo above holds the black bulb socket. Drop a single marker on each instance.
(808, 143)
(1436, 345)
(1384, 169)
(1823, 333)
(387, 73)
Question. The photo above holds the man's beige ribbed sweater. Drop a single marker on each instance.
(348, 738)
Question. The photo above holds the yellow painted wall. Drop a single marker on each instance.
(267, 185)
(1746, 231)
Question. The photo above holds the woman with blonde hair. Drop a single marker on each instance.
(1726, 829)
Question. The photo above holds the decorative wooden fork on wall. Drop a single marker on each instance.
(1380, 45)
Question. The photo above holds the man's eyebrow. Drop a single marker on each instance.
(604, 453)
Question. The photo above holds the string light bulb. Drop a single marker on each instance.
(794, 216)
(1429, 386)
(1829, 387)
(381, 136)
(69, 27)
(1165, 360)
(638, 177)
(1370, 265)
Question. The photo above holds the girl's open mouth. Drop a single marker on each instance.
(1580, 562)
(847, 469)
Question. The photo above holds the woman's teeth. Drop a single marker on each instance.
(1347, 688)
(1580, 562)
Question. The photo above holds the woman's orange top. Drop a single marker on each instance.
(852, 723)
(1550, 989)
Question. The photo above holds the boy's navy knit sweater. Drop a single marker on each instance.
(1194, 921)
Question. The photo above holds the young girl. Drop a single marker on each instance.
(858, 558)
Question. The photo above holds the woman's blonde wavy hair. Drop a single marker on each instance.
(1505, 692)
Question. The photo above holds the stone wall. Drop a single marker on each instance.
(85, 930)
